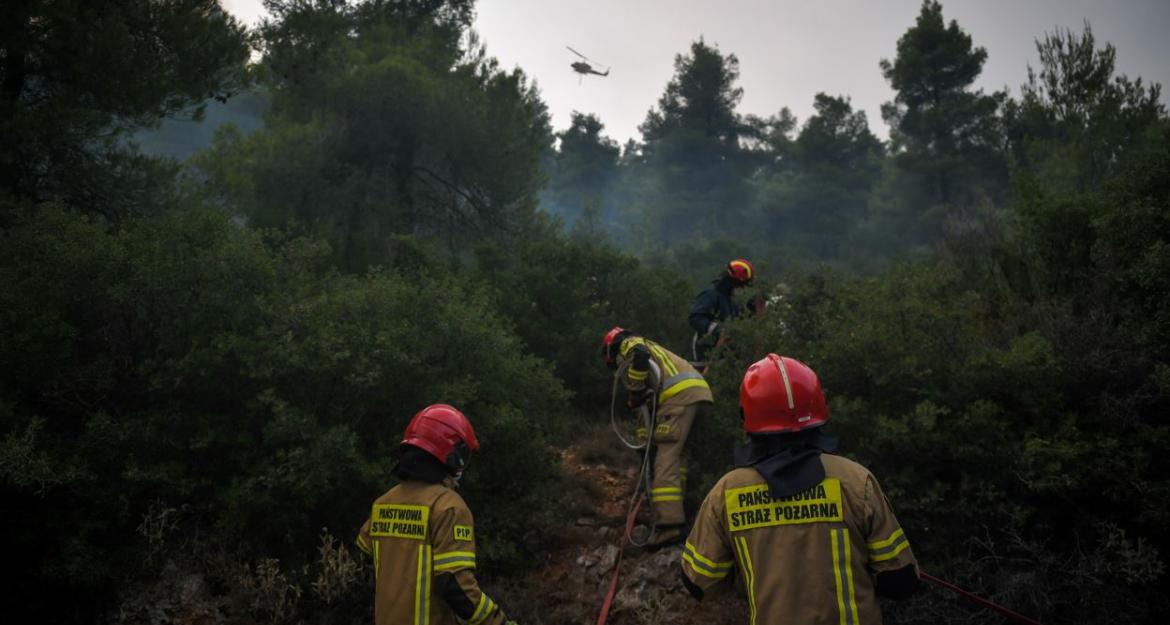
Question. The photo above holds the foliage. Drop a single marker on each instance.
(945, 138)
(565, 294)
(383, 126)
(583, 172)
(67, 102)
(201, 370)
(190, 361)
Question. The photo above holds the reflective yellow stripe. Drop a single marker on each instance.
(483, 609)
(422, 606)
(449, 554)
(664, 360)
(663, 498)
(680, 387)
(701, 568)
(475, 616)
(637, 375)
(749, 575)
(851, 595)
(362, 544)
(377, 561)
(843, 577)
(419, 611)
(882, 544)
(889, 548)
(690, 549)
(629, 344)
(454, 560)
(667, 489)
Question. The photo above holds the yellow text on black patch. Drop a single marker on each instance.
(399, 521)
(752, 506)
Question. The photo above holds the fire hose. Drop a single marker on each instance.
(1015, 616)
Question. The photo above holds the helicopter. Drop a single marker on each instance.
(585, 66)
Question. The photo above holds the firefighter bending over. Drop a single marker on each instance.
(811, 533)
(420, 534)
(650, 371)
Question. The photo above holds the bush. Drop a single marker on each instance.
(184, 362)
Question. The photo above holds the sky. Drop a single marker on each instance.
(788, 50)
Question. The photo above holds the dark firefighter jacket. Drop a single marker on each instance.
(422, 539)
(713, 304)
(638, 362)
(808, 558)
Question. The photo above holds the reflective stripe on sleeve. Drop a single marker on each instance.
(483, 609)
(666, 493)
(843, 577)
(363, 545)
(454, 560)
(637, 375)
(705, 566)
(889, 548)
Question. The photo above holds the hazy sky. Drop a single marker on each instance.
(788, 50)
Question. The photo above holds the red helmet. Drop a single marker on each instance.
(741, 270)
(781, 394)
(443, 432)
(608, 349)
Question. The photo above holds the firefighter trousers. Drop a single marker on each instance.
(669, 477)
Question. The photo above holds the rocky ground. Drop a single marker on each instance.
(571, 587)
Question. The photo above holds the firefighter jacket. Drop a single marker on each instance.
(809, 558)
(713, 304)
(422, 539)
(645, 365)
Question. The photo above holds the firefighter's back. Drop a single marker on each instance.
(803, 558)
(401, 529)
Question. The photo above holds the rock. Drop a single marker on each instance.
(587, 521)
(607, 557)
(587, 560)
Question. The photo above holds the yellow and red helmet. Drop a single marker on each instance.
(445, 433)
(741, 270)
(781, 394)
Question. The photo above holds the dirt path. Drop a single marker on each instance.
(571, 586)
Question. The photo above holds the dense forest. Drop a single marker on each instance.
(206, 365)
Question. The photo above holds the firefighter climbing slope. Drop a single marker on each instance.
(678, 393)
(811, 533)
(420, 534)
(717, 304)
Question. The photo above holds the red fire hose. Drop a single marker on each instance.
(618, 564)
(1015, 616)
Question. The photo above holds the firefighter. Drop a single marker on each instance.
(651, 373)
(717, 304)
(420, 533)
(811, 533)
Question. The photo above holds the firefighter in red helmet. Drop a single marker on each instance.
(652, 373)
(811, 533)
(717, 304)
(420, 533)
